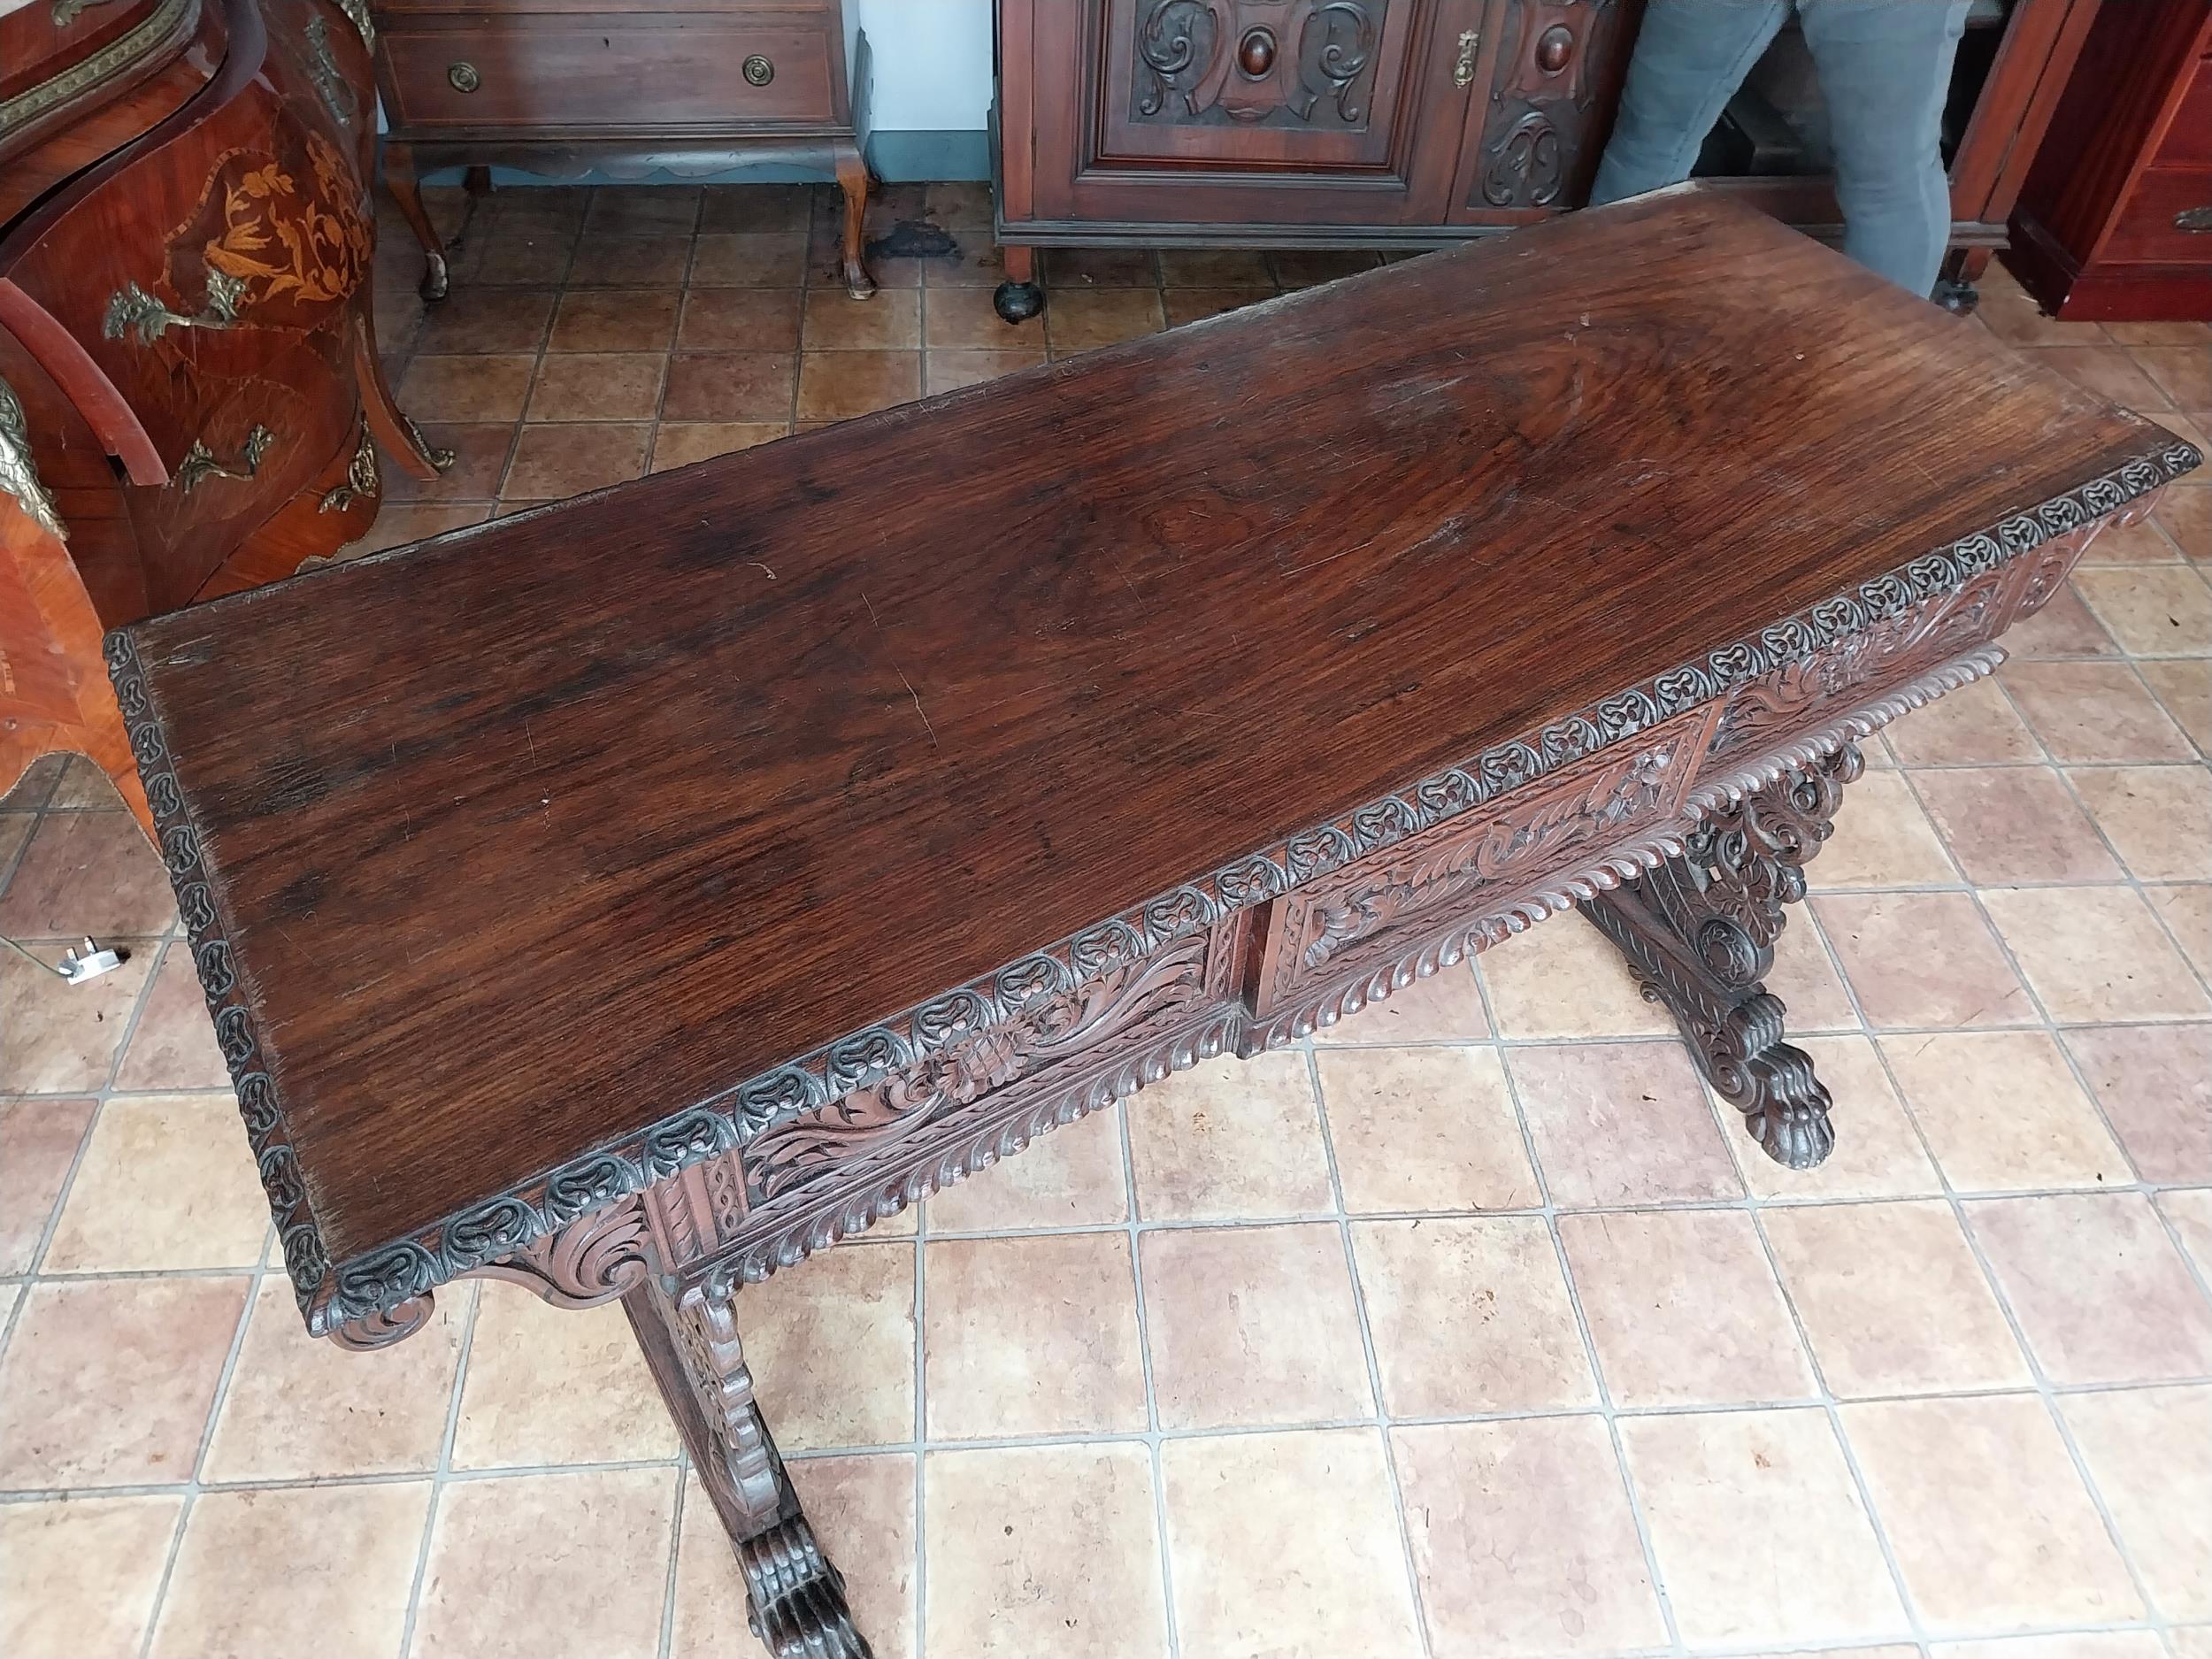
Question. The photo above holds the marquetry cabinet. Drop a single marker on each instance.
(191, 400)
(1409, 123)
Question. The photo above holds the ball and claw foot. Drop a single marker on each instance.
(435, 283)
(1017, 302)
(795, 1597)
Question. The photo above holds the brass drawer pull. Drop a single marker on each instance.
(758, 71)
(463, 77)
(199, 463)
(131, 310)
(1463, 71)
(2198, 218)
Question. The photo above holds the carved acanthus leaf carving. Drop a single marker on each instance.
(1052, 1026)
(594, 1259)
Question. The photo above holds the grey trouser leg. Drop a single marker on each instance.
(1690, 57)
(1884, 67)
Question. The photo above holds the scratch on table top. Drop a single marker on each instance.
(901, 672)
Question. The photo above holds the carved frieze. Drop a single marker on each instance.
(1552, 829)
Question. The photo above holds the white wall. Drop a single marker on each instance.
(932, 63)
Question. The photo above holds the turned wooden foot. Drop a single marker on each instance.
(1699, 935)
(1018, 298)
(794, 1597)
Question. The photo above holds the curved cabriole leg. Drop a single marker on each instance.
(1699, 935)
(795, 1598)
(852, 179)
(399, 179)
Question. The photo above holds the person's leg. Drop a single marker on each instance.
(1690, 57)
(1884, 69)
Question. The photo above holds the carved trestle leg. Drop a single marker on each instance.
(1699, 935)
(797, 1599)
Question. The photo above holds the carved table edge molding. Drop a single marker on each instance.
(379, 1286)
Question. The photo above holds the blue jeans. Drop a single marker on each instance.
(1884, 67)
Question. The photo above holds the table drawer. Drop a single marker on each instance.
(1360, 930)
(1068, 1045)
(610, 69)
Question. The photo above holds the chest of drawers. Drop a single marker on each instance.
(563, 86)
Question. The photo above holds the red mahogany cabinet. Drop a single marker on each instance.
(2115, 222)
(1411, 123)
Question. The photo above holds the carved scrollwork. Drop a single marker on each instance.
(1699, 931)
(386, 1326)
(794, 1597)
(590, 1261)
(1244, 60)
(1053, 1026)
(1534, 141)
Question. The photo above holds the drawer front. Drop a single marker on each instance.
(1339, 930)
(2188, 140)
(610, 71)
(2167, 219)
(834, 1168)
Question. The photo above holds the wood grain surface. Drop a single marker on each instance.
(534, 833)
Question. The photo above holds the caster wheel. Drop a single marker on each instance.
(1958, 297)
(1017, 302)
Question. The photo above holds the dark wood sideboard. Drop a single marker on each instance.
(1411, 123)
(900, 803)
(629, 88)
(2115, 223)
(190, 397)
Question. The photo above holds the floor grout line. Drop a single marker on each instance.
(1153, 1439)
(441, 1475)
(1377, 1398)
(1607, 1410)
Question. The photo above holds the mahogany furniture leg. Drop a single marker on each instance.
(794, 1597)
(1699, 935)
(852, 179)
(1018, 298)
(399, 179)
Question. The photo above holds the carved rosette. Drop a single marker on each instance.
(385, 1277)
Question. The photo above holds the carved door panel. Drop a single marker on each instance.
(1553, 69)
(1248, 112)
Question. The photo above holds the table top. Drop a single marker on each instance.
(503, 848)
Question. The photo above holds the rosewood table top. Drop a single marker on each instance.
(580, 847)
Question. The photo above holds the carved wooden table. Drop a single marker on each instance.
(639, 938)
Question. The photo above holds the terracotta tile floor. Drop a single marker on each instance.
(1561, 1365)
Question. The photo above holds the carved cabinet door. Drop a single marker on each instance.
(1241, 111)
(1550, 73)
